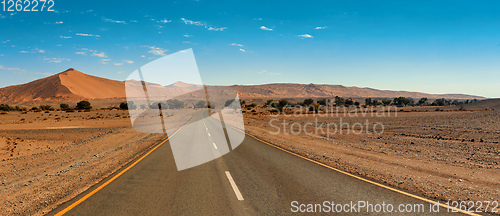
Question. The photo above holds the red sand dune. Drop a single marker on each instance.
(68, 85)
(74, 85)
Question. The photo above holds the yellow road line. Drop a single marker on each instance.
(64, 211)
(357, 177)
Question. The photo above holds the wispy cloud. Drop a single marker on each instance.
(118, 64)
(91, 52)
(216, 29)
(187, 35)
(235, 44)
(242, 50)
(305, 36)
(10, 69)
(266, 28)
(199, 23)
(164, 21)
(35, 50)
(99, 54)
(56, 60)
(156, 50)
(320, 27)
(113, 21)
(44, 74)
(87, 35)
(65, 37)
(129, 61)
(257, 18)
(265, 72)
(53, 23)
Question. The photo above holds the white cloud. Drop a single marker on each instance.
(190, 22)
(157, 50)
(105, 59)
(305, 36)
(56, 60)
(36, 50)
(267, 72)
(187, 35)
(128, 61)
(258, 18)
(134, 21)
(5, 41)
(80, 53)
(235, 44)
(44, 74)
(87, 35)
(113, 21)
(53, 23)
(266, 29)
(217, 29)
(65, 37)
(242, 50)
(100, 55)
(118, 64)
(165, 21)
(198, 23)
(10, 69)
(143, 56)
(320, 27)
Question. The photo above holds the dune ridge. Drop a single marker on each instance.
(75, 85)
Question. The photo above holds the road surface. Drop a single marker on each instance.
(253, 179)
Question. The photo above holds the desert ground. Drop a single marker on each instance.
(445, 153)
(47, 158)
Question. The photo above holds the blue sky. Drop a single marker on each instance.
(426, 46)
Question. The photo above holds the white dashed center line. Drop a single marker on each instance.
(235, 188)
(215, 146)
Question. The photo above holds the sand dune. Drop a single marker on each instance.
(68, 85)
(72, 85)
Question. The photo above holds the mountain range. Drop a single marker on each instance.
(73, 85)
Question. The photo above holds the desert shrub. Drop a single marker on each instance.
(127, 106)
(46, 107)
(64, 107)
(323, 102)
(83, 105)
(308, 101)
(175, 104)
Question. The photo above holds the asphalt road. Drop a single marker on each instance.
(268, 181)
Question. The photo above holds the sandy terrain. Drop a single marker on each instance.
(438, 154)
(48, 158)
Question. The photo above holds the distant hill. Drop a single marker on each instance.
(74, 85)
(484, 104)
(290, 90)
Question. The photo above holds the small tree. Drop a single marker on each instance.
(64, 106)
(368, 101)
(83, 105)
(308, 101)
(201, 104)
